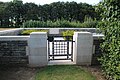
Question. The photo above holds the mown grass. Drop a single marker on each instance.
(63, 72)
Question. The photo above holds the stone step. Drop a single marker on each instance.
(61, 62)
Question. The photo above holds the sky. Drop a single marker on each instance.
(42, 2)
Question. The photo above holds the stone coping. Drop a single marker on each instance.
(6, 33)
(14, 38)
(10, 30)
(58, 28)
(98, 36)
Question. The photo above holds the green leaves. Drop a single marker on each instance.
(27, 32)
(14, 13)
(109, 9)
(59, 23)
(111, 49)
(110, 13)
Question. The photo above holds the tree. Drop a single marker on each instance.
(31, 11)
(4, 17)
(15, 12)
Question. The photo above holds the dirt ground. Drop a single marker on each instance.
(17, 73)
(96, 71)
(26, 73)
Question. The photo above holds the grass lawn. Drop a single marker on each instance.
(63, 72)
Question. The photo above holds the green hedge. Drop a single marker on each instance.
(68, 33)
(59, 23)
(27, 32)
(110, 59)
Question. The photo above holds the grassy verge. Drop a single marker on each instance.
(63, 72)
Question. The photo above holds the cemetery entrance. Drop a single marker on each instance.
(60, 47)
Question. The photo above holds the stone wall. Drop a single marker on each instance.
(86, 48)
(11, 32)
(97, 51)
(58, 31)
(13, 50)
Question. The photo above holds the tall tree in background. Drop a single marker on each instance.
(11, 13)
(2, 14)
(17, 10)
(14, 13)
(31, 11)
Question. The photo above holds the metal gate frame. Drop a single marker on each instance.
(60, 46)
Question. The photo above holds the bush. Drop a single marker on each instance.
(110, 60)
(58, 23)
(91, 24)
(68, 33)
(27, 32)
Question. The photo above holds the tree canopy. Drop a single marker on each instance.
(14, 13)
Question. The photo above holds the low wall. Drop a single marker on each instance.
(60, 30)
(35, 45)
(97, 40)
(55, 31)
(13, 49)
(11, 32)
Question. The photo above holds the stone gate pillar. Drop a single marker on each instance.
(37, 45)
(83, 48)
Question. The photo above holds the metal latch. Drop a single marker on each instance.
(50, 38)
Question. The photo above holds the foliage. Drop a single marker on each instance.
(14, 13)
(63, 72)
(111, 29)
(59, 23)
(27, 32)
(89, 22)
(68, 33)
(111, 49)
(109, 10)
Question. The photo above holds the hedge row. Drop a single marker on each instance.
(59, 23)
(27, 32)
(110, 59)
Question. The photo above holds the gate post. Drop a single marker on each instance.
(37, 44)
(83, 48)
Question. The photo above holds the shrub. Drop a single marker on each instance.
(68, 33)
(91, 24)
(59, 23)
(27, 32)
(110, 60)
